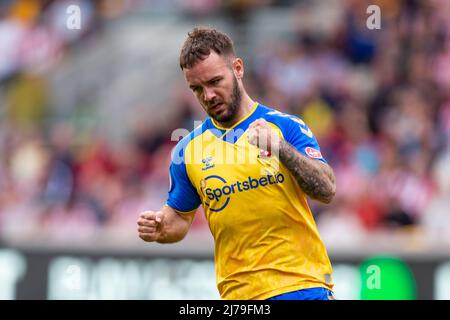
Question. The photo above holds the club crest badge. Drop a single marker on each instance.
(264, 154)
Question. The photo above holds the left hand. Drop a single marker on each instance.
(261, 135)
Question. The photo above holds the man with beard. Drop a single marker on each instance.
(251, 168)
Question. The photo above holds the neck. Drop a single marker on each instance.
(246, 106)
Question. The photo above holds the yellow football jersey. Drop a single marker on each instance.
(266, 240)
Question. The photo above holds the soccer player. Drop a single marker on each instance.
(251, 168)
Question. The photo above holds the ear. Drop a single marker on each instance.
(238, 68)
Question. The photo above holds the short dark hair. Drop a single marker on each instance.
(199, 43)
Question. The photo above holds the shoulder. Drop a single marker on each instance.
(273, 115)
(284, 121)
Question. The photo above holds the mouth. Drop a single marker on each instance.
(216, 106)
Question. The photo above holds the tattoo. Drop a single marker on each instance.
(314, 177)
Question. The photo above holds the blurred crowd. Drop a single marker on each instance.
(378, 102)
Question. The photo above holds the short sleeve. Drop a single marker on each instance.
(301, 137)
(183, 196)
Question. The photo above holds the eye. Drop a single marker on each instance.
(215, 81)
(196, 89)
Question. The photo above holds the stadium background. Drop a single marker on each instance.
(86, 118)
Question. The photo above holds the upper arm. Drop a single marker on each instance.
(313, 171)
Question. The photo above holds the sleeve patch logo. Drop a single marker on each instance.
(313, 153)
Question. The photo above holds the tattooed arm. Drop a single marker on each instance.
(314, 177)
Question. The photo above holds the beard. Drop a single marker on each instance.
(232, 108)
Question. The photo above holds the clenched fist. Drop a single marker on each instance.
(261, 135)
(150, 225)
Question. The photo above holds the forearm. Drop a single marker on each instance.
(174, 226)
(315, 178)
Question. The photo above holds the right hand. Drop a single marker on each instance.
(150, 225)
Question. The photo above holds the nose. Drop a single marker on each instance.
(209, 94)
